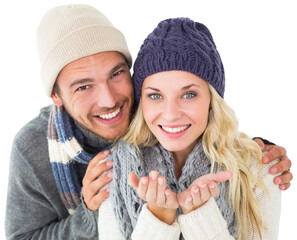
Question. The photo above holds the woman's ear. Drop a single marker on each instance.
(56, 98)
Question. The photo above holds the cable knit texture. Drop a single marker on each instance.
(205, 223)
(179, 44)
(127, 205)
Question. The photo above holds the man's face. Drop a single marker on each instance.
(97, 92)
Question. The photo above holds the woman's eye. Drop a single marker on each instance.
(155, 96)
(189, 95)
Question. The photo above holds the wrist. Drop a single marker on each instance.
(186, 211)
(166, 215)
(265, 141)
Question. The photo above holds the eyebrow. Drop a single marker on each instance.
(191, 85)
(116, 67)
(81, 81)
(183, 88)
(90, 80)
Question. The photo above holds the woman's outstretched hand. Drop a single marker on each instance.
(161, 201)
(201, 190)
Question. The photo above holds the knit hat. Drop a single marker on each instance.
(68, 33)
(179, 44)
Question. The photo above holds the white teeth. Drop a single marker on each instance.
(175, 130)
(110, 115)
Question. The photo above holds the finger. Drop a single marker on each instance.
(285, 178)
(213, 189)
(92, 189)
(195, 191)
(204, 193)
(285, 186)
(142, 188)
(188, 202)
(151, 194)
(260, 143)
(98, 199)
(99, 157)
(133, 180)
(280, 167)
(96, 171)
(274, 152)
(170, 199)
(218, 177)
(160, 201)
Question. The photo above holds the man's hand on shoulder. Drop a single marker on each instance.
(283, 166)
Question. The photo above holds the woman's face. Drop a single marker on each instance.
(175, 107)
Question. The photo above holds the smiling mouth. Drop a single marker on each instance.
(110, 115)
(176, 129)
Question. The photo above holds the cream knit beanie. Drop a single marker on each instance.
(68, 33)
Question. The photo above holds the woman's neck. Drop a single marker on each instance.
(180, 158)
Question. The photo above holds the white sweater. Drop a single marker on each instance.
(204, 223)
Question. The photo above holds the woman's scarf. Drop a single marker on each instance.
(126, 203)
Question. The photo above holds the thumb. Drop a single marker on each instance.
(219, 177)
(133, 180)
(223, 176)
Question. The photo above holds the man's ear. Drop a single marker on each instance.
(56, 99)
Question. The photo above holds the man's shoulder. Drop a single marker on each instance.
(31, 140)
(35, 129)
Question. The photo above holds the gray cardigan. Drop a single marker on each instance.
(34, 209)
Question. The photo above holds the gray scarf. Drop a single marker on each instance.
(127, 205)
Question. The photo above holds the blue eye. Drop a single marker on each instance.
(117, 73)
(190, 95)
(155, 96)
(82, 88)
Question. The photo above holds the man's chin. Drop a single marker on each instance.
(110, 135)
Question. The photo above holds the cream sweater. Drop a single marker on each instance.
(205, 223)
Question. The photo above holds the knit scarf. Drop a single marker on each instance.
(65, 151)
(126, 203)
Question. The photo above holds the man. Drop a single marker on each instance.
(54, 186)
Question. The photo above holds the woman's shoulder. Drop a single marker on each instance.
(260, 169)
(268, 197)
(261, 173)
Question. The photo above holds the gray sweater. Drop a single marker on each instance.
(34, 209)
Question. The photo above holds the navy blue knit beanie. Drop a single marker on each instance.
(179, 44)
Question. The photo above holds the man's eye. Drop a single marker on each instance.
(82, 88)
(190, 95)
(155, 96)
(118, 73)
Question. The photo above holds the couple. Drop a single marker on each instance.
(181, 131)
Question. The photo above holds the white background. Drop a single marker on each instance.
(256, 39)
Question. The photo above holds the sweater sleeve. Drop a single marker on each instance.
(149, 227)
(207, 223)
(204, 223)
(270, 203)
(34, 209)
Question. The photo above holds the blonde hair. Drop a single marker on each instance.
(225, 146)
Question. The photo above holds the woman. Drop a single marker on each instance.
(182, 135)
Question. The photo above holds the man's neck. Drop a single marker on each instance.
(92, 142)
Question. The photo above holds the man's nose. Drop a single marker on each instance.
(106, 97)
